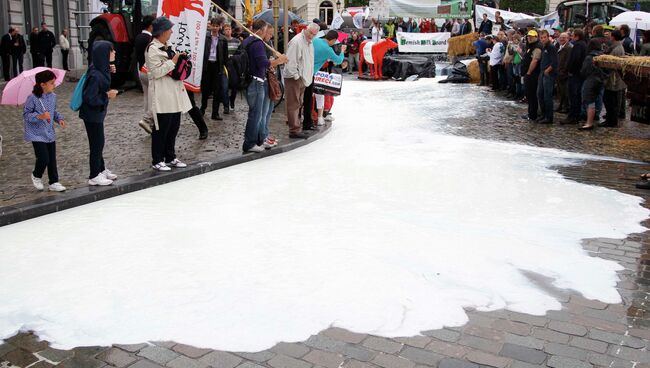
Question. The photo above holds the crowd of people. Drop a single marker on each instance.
(167, 98)
(41, 47)
(536, 66)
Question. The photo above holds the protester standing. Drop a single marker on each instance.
(481, 45)
(548, 74)
(530, 69)
(353, 47)
(376, 32)
(214, 59)
(96, 95)
(64, 44)
(233, 45)
(575, 81)
(168, 97)
(141, 42)
(322, 53)
(563, 73)
(298, 75)
(5, 53)
(486, 25)
(594, 82)
(35, 48)
(46, 42)
(614, 85)
(496, 62)
(18, 50)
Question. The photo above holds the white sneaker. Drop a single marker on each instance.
(321, 121)
(146, 126)
(269, 144)
(100, 180)
(161, 167)
(38, 182)
(329, 117)
(57, 187)
(108, 174)
(176, 163)
(256, 149)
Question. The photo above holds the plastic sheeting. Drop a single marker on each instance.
(400, 67)
(457, 73)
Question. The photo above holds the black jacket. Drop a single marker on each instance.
(20, 48)
(576, 58)
(141, 42)
(33, 43)
(46, 42)
(466, 28)
(222, 55)
(5, 45)
(485, 27)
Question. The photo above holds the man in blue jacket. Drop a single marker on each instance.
(323, 52)
(549, 66)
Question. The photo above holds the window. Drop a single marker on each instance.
(60, 16)
(33, 11)
(326, 12)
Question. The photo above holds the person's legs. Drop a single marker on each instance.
(95, 132)
(20, 63)
(320, 105)
(575, 97)
(64, 59)
(294, 90)
(224, 94)
(14, 63)
(170, 139)
(622, 110)
(255, 99)
(42, 159)
(549, 83)
(48, 59)
(599, 103)
(530, 83)
(159, 138)
(612, 102)
(52, 172)
(206, 89)
(233, 97)
(307, 105)
(216, 94)
(6, 67)
(267, 111)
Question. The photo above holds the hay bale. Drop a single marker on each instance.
(462, 45)
(474, 72)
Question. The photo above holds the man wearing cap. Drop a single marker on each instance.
(557, 31)
(530, 70)
(548, 73)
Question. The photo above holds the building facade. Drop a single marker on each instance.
(321, 9)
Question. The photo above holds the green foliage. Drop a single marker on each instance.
(353, 3)
(524, 6)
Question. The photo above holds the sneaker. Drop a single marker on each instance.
(145, 126)
(108, 174)
(57, 187)
(268, 144)
(176, 163)
(321, 121)
(100, 180)
(255, 149)
(329, 118)
(161, 167)
(38, 182)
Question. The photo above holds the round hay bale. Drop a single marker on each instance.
(474, 72)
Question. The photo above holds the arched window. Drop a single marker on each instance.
(326, 12)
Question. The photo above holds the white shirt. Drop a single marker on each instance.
(377, 33)
(64, 43)
(455, 28)
(496, 56)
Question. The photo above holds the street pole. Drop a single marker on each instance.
(285, 39)
(276, 15)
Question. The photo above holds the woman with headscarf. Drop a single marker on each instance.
(97, 92)
(168, 97)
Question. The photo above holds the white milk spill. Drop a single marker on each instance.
(383, 227)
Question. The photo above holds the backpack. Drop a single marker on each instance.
(77, 95)
(239, 75)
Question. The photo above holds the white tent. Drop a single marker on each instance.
(634, 19)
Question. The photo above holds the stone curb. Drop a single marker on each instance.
(81, 196)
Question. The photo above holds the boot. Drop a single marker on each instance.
(197, 118)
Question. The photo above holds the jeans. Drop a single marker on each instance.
(530, 86)
(163, 139)
(45, 157)
(353, 61)
(575, 96)
(64, 59)
(224, 93)
(545, 95)
(95, 133)
(255, 96)
(267, 111)
(483, 68)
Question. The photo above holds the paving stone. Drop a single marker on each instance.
(391, 361)
(445, 348)
(421, 356)
(351, 363)
(606, 315)
(482, 320)
(323, 342)
(517, 328)
(568, 328)
(184, 362)
(324, 359)
(221, 359)
(566, 351)
(283, 361)
(381, 344)
(249, 365)
(561, 315)
(484, 332)
(190, 351)
(623, 352)
(600, 323)
(145, 364)
(523, 353)
(608, 361)
(538, 321)
(131, 348)
(290, 349)
(344, 335)
(164, 344)
(638, 332)
(82, 362)
(5, 348)
(482, 358)
(415, 341)
(20, 357)
(88, 351)
(116, 357)
(616, 339)
(527, 341)
(28, 341)
(456, 363)
(518, 364)
(564, 362)
(549, 335)
(158, 354)
(588, 344)
(481, 343)
(259, 357)
(443, 334)
(42, 364)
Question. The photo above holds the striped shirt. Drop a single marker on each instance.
(233, 45)
(37, 130)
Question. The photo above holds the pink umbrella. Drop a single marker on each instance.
(343, 36)
(19, 88)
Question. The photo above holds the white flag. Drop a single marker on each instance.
(337, 22)
(357, 19)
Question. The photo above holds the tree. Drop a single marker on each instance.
(524, 6)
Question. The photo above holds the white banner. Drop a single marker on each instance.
(548, 21)
(439, 9)
(96, 6)
(189, 32)
(378, 9)
(337, 22)
(423, 42)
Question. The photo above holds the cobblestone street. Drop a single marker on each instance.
(583, 334)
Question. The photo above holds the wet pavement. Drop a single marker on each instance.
(585, 333)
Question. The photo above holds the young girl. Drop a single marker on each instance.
(39, 115)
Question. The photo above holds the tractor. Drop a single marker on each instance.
(120, 23)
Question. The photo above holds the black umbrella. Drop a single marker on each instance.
(524, 23)
(267, 15)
